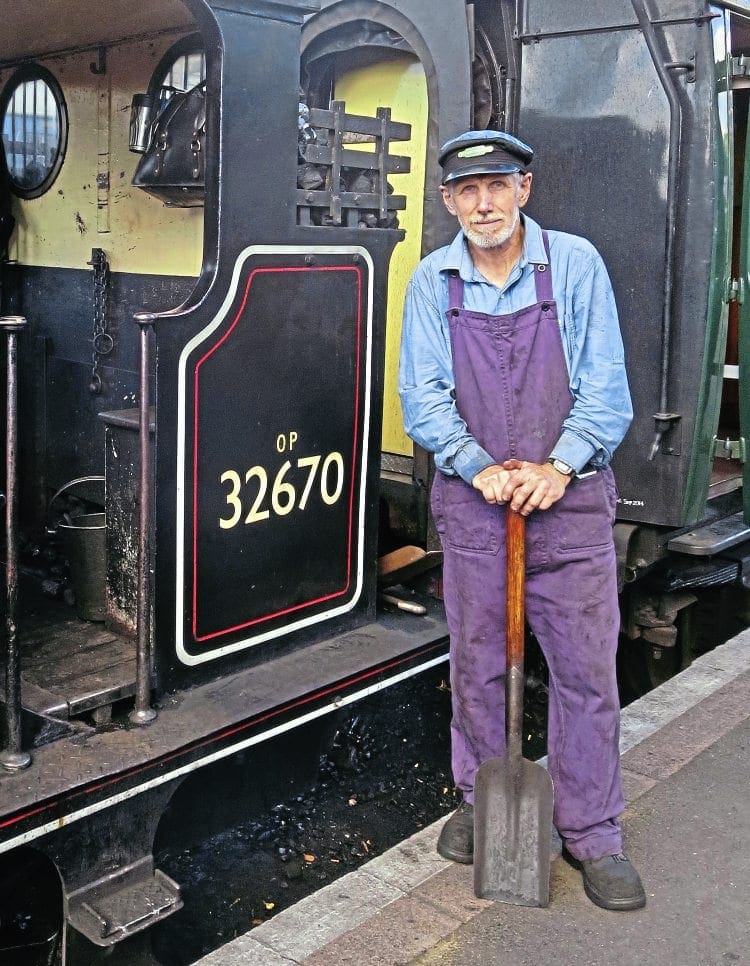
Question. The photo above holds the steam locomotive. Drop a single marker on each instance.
(208, 214)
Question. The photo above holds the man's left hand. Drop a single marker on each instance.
(533, 486)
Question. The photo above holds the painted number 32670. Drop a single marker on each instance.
(289, 490)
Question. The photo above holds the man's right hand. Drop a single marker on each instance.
(491, 481)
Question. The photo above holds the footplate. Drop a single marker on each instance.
(713, 537)
(124, 902)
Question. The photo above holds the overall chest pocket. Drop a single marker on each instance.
(464, 520)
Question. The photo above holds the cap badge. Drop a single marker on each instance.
(476, 151)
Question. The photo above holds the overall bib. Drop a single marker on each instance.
(512, 390)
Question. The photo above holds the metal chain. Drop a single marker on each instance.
(103, 342)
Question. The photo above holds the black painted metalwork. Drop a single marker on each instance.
(616, 134)
(356, 191)
(445, 55)
(514, 47)
(55, 364)
(269, 374)
(102, 341)
(279, 343)
(221, 438)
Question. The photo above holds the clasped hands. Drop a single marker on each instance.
(525, 486)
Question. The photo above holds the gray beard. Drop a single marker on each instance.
(482, 240)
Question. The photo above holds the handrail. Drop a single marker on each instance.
(12, 756)
(664, 419)
(143, 713)
(513, 33)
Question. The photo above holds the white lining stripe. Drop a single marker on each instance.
(65, 820)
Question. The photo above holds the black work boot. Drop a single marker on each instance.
(456, 840)
(612, 882)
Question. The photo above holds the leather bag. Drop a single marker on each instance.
(173, 167)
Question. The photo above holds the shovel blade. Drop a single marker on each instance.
(512, 827)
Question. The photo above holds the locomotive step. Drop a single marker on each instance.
(124, 902)
(74, 668)
(713, 537)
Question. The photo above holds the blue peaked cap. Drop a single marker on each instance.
(483, 152)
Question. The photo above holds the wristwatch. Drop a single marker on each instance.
(562, 467)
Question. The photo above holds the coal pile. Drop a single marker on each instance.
(382, 773)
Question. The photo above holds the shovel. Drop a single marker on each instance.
(513, 796)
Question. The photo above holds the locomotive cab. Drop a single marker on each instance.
(283, 540)
(194, 293)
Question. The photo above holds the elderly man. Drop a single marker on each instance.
(512, 374)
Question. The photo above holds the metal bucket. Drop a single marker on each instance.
(85, 546)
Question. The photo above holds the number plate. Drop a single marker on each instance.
(274, 407)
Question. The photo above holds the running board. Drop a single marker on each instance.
(713, 537)
(124, 902)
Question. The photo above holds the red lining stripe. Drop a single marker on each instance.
(207, 355)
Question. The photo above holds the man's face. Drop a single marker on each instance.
(487, 206)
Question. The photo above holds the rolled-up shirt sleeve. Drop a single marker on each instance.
(427, 389)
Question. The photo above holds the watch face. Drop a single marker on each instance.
(563, 468)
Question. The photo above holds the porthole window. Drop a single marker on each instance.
(34, 130)
(186, 72)
(180, 69)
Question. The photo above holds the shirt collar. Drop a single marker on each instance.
(458, 259)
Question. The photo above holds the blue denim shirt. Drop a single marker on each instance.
(591, 339)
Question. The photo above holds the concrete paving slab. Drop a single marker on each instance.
(317, 920)
(453, 892)
(401, 931)
(649, 714)
(408, 864)
(705, 676)
(249, 952)
(678, 742)
(634, 784)
(734, 655)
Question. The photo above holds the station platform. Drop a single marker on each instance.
(686, 760)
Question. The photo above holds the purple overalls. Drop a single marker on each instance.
(512, 390)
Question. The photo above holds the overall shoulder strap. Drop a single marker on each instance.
(455, 291)
(543, 274)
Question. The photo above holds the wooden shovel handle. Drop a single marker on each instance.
(516, 578)
(514, 631)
